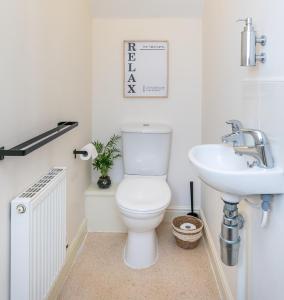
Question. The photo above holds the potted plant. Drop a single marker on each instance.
(104, 161)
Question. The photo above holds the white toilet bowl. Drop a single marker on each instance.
(142, 201)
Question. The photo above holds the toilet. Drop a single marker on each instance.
(143, 195)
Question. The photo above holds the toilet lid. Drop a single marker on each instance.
(143, 194)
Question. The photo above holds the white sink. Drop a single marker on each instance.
(219, 167)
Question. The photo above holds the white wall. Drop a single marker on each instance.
(182, 110)
(146, 8)
(45, 72)
(255, 96)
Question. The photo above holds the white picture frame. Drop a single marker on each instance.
(145, 69)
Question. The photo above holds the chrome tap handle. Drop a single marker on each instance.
(259, 136)
(236, 125)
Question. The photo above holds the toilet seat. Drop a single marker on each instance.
(143, 194)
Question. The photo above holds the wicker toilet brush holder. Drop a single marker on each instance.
(187, 239)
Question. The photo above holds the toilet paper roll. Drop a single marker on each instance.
(187, 226)
(92, 152)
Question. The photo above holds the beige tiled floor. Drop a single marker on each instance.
(100, 274)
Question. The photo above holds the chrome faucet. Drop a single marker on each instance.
(260, 151)
(236, 137)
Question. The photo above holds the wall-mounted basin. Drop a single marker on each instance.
(222, 169)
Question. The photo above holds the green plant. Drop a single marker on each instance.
(106, 155)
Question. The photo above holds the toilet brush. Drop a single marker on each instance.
(192, 213)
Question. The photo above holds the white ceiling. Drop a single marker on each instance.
(146, 8)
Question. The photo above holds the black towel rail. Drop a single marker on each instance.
(38, 141)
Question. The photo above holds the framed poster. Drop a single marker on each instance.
(145, 69)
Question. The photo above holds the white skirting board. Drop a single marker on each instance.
(72, 252)
(216, 263)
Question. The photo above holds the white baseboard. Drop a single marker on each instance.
(216, 263)
(72, 251)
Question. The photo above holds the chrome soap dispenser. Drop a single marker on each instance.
(248, 45)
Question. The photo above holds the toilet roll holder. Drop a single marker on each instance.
(78, 152)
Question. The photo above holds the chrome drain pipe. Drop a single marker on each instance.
(229, 237)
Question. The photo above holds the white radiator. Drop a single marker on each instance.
(38, 236)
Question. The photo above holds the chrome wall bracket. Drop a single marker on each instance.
(261, 57)
(261, 40)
